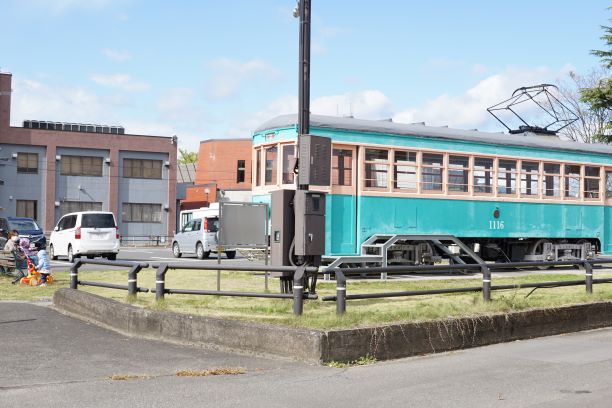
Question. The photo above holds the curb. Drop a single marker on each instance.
(317, 346)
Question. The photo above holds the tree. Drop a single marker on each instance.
(187, 157)
(599, 96)
(592, 120)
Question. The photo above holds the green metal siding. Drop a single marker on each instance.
(468, 218)
(607, 244)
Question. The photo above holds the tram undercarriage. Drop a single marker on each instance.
(387, 250)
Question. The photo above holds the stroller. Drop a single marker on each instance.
(33, 278)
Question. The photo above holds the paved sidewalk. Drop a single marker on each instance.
(50, 360)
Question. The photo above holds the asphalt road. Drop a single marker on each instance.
(50, 360)
(153, 254)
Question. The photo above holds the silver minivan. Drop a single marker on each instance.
(199, 236)
(88, 233)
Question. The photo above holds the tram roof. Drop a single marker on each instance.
(527, 139)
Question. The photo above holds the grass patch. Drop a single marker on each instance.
(128, 377)
(213, 371)
(322, 315)
(365, 360)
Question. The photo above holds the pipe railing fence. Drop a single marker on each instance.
(299, 283)
(485, 269)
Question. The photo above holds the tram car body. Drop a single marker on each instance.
(507, 197)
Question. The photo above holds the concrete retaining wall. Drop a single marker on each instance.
(300, 344)
(384, 342)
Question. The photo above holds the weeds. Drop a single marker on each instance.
(361, 361)
(212, 371)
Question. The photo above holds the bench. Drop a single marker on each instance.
(8, 265)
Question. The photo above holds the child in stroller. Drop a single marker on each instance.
(39, 274)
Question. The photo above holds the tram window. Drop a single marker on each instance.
(342, 167)
(552, 180)
(506, 177)
(591, 182)
(288, 156)
(530, 175)
(404, 170)
(609, 184)
(483, 175)
(271, 162)
(432, 172)
(258, 167)
(458, 173)
(572, 181)
(376, 168)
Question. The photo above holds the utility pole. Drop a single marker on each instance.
(303, 11)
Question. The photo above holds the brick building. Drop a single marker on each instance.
(48, 169)
(223, 171)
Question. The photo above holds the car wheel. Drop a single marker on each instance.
(200, 250)
(70, 254)
(230, 254)
(52, 253)
(176, 251)
(112, 257)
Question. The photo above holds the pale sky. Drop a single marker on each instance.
(216, 69)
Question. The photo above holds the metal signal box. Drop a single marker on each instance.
(282, 227)
(315, 160)
(309, 210)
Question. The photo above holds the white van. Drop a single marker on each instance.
(89, 233)
(199, 236)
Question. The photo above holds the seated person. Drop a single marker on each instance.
(43, 266)
(11, 246)
(12, 242)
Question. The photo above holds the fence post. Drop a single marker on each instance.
(298, 290)
(486, 282)
(588, 271)
(160, 281)
(132, 280)
(340, 292)
(74, 274)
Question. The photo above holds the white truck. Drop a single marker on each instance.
(199, 233)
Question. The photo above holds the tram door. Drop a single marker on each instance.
(342, 208)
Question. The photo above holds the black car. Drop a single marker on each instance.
(27, 228)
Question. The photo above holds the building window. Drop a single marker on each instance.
(458, 174)
(142, 168)
(608, 184)
(342, 167)
(432, 172)
(240, 171)
(26, 208)
(81, 166)
(27, 163)
(591, 182)
(137, 212)
(506, 177)
(288, 162)
(530, 176)
(405, 170)
(552, 180)
(75, 206)
(483, 176)
(258, 167)
(271, 163)
(376, 168)
(572, 181)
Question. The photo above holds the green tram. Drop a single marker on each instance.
(410, 193)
